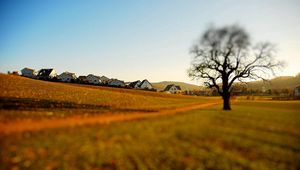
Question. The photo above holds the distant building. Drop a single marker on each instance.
(116, 83)
(172, 88)
(47, 74)
(145, 84)
(82, 79)
(67, 77)
(28, 72)
(135, 84)
(297, 91)
(93, 79)
(104, 79)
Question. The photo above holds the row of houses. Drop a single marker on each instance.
(51, 74)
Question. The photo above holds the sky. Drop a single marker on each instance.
(135, 39)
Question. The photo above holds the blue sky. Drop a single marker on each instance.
(135, 39)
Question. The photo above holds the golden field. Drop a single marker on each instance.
(150, 130)
(34, 96)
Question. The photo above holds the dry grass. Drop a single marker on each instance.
(17, 126)
(27, 98)
(255, 135)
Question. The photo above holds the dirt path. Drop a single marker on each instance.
(35, 125)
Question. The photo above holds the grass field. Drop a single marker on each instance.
(254, 135)
(23, 98)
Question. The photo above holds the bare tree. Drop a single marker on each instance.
(225, 55)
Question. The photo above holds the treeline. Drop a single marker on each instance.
(243, 92)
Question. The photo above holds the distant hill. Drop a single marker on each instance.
(184, 86)
(282, 82)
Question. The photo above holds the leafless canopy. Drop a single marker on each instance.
(225, 55)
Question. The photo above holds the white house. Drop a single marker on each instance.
(145, 84)
(28, 72)
(172, 88)
(104, 79)
(67, 77)
(93, 79)
(116, 82)
(135, 84)
(47, 74)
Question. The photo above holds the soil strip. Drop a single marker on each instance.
(19, 126)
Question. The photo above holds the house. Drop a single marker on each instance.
(82, 79)
(116, 83)
(93, 79)
(104, 79)
(47, 74)
(28, 72)
(67, 77)
(145, 84)
(172, 88)
(135, 84)
(297, 91)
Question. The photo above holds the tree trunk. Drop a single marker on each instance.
(226, 102)
(226, 93)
